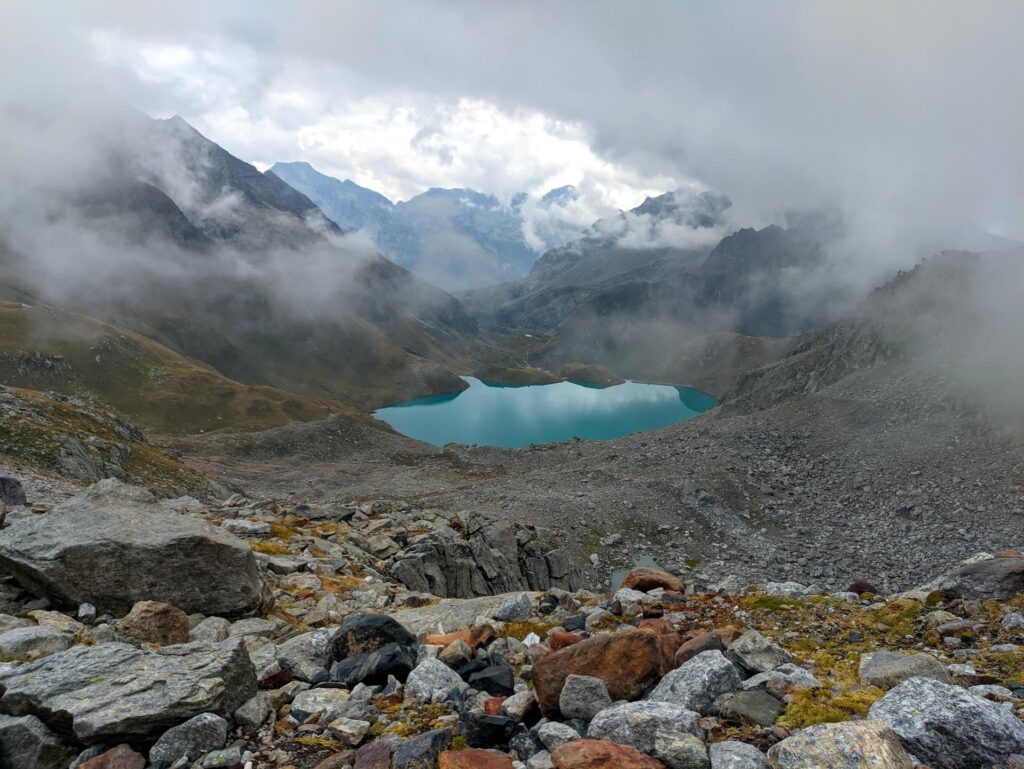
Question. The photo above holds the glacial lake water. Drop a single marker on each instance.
(489, 414)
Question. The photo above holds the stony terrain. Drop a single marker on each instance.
(248, 633)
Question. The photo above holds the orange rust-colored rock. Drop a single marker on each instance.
(646, 578)
(659, 626)
(598, 754)
(121, 757)
(562, 639)
(154, 622)
(1009, 554)
(474, 636)
(629, 663)
(473, 759)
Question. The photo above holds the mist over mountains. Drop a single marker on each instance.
(455, 238)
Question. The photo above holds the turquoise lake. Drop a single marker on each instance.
(490, 414)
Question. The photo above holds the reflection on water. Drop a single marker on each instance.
(493, 415)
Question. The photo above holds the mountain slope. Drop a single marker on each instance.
(46, 348)
(173, 237)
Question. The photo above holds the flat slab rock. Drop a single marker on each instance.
(847, 745)
(115, 690)
(114, 544)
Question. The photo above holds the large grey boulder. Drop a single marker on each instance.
(998, 579)
(947, 727)
(28, 742)
(200, 734)
(733, 754)
(114, 545)
(757, 653)
(698, 682)
(886, 669)
(117, 691)
(32, 642)
(638, 723)
(845, 745)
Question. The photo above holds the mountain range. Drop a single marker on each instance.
(455, 238)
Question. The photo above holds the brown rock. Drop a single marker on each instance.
(860, 586)
(562, 639)
(473, 759)
(121, 757)
(645, 578)
(709, 641)
(1009, 554)
(659, 626)
(492, 706)
(337, 761)
(629, 663)
(598, 754)
(376, 755)
(155, 623)
(719, 639)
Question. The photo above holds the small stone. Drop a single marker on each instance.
(681, 750)
(330, 702)
(599, 754)
(733, 754)
(120, 757)
(473, 759)
(226, 758)
(86, 613)
(553, 734)
(349, 730)
(211, 629)
(757, 653)
(252, 713)
(520, 706)
(154, 622)
(755, 706)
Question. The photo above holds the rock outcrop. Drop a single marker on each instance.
(114, 545)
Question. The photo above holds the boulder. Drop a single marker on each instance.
(733, 754)
(629, 663)
(598, 754)
(757, 653)
(947, 727)
(375, 755)
(115, 690)
(199, 735)
(155, 623)
(368, 633)
(886, 669)
(374, 667)
(473, 759)
(28, 742)
(114, 545)
(433, 681)
(698, 682)
(638, 723)
(755, 706)
(845, 745)
(515, 608)
(645, 579)
(32, 642)
(998, 579)
(306, 655)
(11, 492)
(583, 697)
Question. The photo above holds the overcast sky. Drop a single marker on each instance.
(906, 114)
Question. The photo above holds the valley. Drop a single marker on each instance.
(511, 386)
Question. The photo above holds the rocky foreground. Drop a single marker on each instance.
(138, 632)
